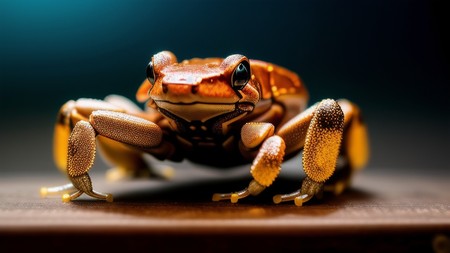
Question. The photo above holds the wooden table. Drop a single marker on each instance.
(385, 209)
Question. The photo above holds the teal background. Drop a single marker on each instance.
(387, 56)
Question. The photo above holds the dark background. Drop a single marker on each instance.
(387, 56)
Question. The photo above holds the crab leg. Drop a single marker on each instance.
(254, 188)
(267, 164)
(81, 154)
(118, 126)
(321, 150)
(57, 190)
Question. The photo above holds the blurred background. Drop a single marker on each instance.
(386, 56)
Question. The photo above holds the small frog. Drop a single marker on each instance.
(217, 112)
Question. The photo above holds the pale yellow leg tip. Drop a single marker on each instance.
(234, 198)
(277, 199)
(43, 192)
(216, 197)
(168, 172)
(298, 201)
(339, 188)
(66, 198)
(109, 198)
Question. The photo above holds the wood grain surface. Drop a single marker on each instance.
(384, 210)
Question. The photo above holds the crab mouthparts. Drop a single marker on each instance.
(202, 111)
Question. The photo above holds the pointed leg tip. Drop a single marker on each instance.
(43, 192)
(298, 201)
(66, 198)
(168, 173)
(234, 198)
(277, 199)
(216, 197)
(109, 198)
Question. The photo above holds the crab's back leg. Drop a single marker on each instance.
(355, 146)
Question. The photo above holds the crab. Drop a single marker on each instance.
(220, 112)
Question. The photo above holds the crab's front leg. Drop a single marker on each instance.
(118, 126)
(267, 164)
(324, 124)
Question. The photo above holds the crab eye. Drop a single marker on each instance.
(241, 75)
(150, 72)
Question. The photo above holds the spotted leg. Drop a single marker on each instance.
(127, 162)
(319, 131)
(267, 164)
(118, 126)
